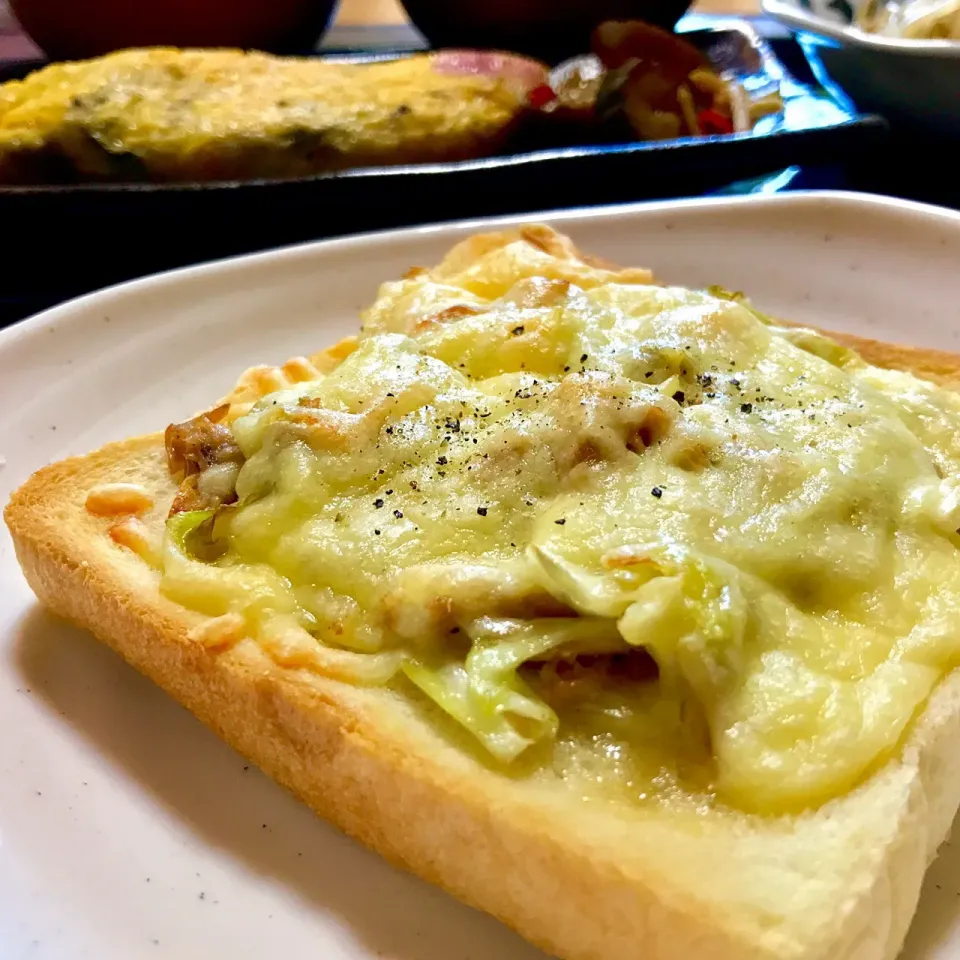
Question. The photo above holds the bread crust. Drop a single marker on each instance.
(584, 881)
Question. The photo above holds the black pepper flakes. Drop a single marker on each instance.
(516, 331)
(583, 357)
(560, 522)
(679, 397)
(657, 492)
(482, 511)
(442, 461)
(398, 514)
(378, 503)
(746, 408)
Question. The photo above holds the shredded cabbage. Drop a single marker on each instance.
(600, 595)
(180, 527)
(485, 694)
(215, 590)
(290, 645)
(693, 620)
(820, 346)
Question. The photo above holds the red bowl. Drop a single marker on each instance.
(76, 29)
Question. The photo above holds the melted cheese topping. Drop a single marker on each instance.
(528, 460)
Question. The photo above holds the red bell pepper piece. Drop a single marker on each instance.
(712, 121)
(542, 95)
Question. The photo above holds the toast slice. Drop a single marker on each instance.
(583, 880)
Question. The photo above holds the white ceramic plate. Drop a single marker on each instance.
(127, 830)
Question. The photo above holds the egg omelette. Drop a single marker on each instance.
(201, 115)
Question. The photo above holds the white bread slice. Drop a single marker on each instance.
(583, 880)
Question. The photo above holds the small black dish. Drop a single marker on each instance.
(550, 30)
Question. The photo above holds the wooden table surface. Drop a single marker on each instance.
(354, 12)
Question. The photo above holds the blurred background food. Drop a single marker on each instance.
(641, 82)
(104, 232)
(74, 29)
(911, 19)
(167, 115)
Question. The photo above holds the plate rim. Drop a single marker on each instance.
(73, 310)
